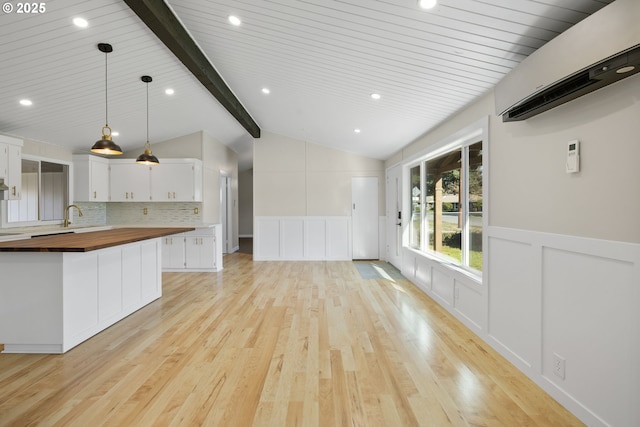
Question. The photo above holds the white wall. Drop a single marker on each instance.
(298, 178)
(45, 150)
(562, 254)
(218, 158)
(302, 199)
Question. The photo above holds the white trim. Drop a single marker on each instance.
(469, 135)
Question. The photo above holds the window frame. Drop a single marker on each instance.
(4, 211)
(462, 140)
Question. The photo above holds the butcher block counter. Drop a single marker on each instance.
(90, 241)
(59, 290)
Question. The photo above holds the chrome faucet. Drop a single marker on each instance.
(66, 214)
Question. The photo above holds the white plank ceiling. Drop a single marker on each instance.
(321, 60)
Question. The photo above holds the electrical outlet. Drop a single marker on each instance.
(559, 365)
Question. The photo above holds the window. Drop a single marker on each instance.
(447, 205)
(44, 193)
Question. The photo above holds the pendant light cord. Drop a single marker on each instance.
(147, 84)
(106, 98)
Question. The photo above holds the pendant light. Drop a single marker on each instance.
(147, 158)
(106, 145)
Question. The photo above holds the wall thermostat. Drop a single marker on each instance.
(573, 156)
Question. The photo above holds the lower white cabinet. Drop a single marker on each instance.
(198, 250)
(173, 252)
(72, 296)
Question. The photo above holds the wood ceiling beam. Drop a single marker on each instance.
(165, 25)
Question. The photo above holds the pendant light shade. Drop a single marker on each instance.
(106, 144)
(147, 158)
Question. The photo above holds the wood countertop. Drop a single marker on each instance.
(89, 241)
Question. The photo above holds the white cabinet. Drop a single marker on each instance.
(173, 180)
(177, 180)
(4, 160)
(11, 166)
(198, 250)
(90, 178)
(14, 180)
(129, 181)
(72, 296)
(173, 252)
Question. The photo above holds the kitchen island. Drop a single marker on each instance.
(57, 291)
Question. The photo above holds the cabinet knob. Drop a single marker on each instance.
(14, 190)
(95, 195)
(168, 194)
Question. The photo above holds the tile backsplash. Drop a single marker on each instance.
(93, 213)
(102, 213)
(153, 213)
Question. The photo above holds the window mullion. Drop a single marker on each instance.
(424, 230)
(464, 208)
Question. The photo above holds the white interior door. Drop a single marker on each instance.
(394, 216)
(364, 217)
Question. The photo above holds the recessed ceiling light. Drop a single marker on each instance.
(375, 96)
(169, 91)
(26, 102)
(234, 20)
(356, 130)
(427, 4)
(80, 22)
(115, 133)
(266, 90)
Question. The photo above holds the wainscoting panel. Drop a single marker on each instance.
(565, 300)
(588, 312)
(338, 238)
(468, 304)
(548, 298)
(315, 245)
(302, 238)
(514, 299)
(458, 292)
(266, 239)
(423, 273)
(292, 236)
(442, 287)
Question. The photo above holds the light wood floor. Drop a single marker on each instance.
(277, 344)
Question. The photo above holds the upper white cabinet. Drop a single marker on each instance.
(91, 178)
(177, 180)
(129, 181)
(4, 160)
(11, 166)
(97, 179)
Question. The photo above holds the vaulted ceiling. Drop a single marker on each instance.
(320, 59)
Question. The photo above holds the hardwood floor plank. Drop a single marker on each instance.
(277, 343)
